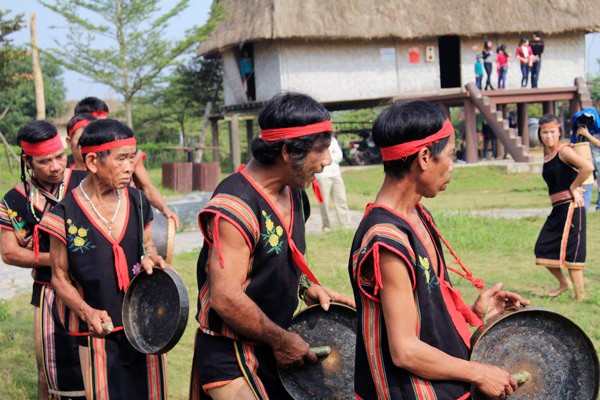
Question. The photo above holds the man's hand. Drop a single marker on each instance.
(98, 321)
(495, 300)
(170, 214)
(494, 382)
(317, 294)
(291, 351)
(149, 261)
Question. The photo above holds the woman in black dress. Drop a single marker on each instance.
(487, 63)
(561, 243)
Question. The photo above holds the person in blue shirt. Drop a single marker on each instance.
(585, 126)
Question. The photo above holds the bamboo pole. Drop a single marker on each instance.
(38, 80)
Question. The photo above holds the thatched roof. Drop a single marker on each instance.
(257, 20)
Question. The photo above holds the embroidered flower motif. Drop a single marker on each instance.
(12, 214)
(77, 238)
(430, 278)
(273, 234)
(69, 221)
(274, 240)
(269, 224)
(136, 268)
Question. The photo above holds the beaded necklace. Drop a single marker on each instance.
(107, 223)
(37, 198)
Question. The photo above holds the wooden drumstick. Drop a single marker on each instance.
(107, 326)
(521, 377)
(321, 351)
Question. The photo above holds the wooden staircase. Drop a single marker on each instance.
(506, 135)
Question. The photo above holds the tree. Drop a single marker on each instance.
(140, 52)
(9, 54)
(20, 98)
(165, 111)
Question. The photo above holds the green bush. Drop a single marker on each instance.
(158, 153)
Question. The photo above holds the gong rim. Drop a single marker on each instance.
(138, 329)
(501, 342)
(170, 240)
(330, 374)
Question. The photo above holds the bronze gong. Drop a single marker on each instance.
(163, 235)
(155, 311)
(332, 336)
(557, 355)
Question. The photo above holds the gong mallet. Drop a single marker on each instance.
(521, 377)
(321, 351)
(107, 327)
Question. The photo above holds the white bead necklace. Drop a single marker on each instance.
(107, 223)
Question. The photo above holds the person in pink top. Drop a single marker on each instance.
(502, 58)
(524, 54)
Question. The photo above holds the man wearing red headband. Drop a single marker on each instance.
(100, 238)
(413, 335)
(252, 269)
(21, 210)
(141, 179)
(75, 128)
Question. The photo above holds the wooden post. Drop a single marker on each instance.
(499, 146)
(470, 132)
(38, 80)
(215, 140)
(549, 107)
(523, 123)
(249, 137)
(234, 142)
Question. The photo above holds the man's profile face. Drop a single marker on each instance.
(438, 174)
(303, 171)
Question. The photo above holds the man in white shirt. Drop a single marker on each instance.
(332, 187)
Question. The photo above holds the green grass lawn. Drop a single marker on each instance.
(497, 250)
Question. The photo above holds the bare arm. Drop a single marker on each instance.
(142, 181)
(584, 170)
(61, 282)
(18, 256)
(152, 258)
(419, 358)
(229, 300)
(583, 131)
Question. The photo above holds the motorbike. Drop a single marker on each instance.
(363, 151)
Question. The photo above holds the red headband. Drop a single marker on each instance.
(42, 149)
(99, 114)
(108, 146)
(273, 135)
(82, 123)
(404, 150)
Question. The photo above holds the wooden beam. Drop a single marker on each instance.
(234, 142)
(215, 140)
(470, 132)
(249, 137)
(549, 107)
(523, 122)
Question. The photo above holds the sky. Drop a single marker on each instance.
(79, 86)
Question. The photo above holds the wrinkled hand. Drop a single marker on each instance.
(494, 382)
(292, 351)
(170, 214)
(495, 300)
(578, 196)
(149, 261)
(317, 294)
(94, 319)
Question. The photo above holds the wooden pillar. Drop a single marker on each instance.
(470, 132)
(522, 123)
(234, 142)
(549, 107)
(249, 137)
(214, 125)
(499, 146)
(574, 107)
